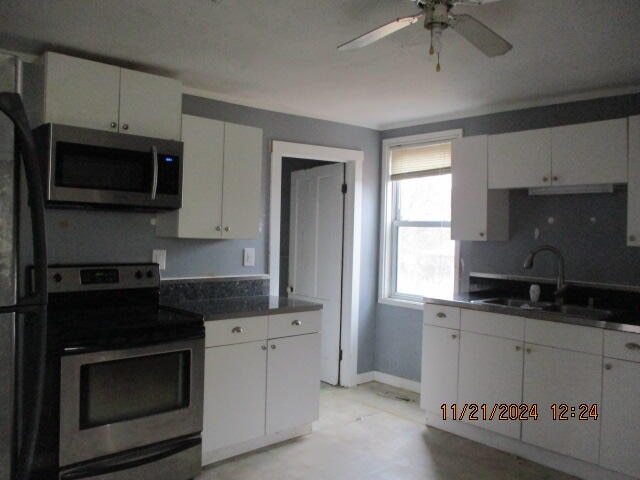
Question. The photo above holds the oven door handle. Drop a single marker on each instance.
(130, 460)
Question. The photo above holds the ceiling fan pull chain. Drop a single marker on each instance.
(438, 65)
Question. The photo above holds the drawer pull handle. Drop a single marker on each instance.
(296, 323)
(632, 346)
(441, 315)
(237, 330)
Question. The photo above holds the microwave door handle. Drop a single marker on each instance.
(154, 185)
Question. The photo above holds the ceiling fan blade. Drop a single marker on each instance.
(380, 32)
(480, 36)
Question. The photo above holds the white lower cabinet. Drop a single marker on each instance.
(257, 390)
(490, 373)
(293, 384)
(620, 435)
(556, 376)
(234, 394)
(440, 350)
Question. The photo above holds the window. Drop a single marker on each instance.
(418, 257)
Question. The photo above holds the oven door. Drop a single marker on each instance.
(92, 167)
(111, 401)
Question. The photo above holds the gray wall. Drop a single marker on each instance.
(95, 236)
(594, 250)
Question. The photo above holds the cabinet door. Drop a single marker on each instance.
(242, 192)
(633, 191)
(293, 382)
(555, 376)
(80, 92)
(491, 373)
(201, 212)
(620, 435)
(150, 105)
(234, 394)
(521, 159)
(476, 212)
(439, 382)
(589, 153)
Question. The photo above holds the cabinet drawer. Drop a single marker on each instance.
(441, 316)
(565, 336)
(495, 324)
(622, 345)
(235, 330)
(290, 324)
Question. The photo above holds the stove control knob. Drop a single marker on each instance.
(138, 274)
(149, 273)
(57, 278)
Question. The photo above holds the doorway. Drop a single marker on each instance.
(350, 288)
(311, 246)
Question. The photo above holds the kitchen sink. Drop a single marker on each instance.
(571, 310)
(516, 303)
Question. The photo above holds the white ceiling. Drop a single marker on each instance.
(281, 54)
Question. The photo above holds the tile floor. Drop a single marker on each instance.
(376, 432)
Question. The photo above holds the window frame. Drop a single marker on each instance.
(388, 230)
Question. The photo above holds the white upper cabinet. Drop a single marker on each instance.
(476, 212)
(633, 191)
(81, 93)
(590, 153)
(89, 94)
(221, 187)
(241, 205)
(150, 105)
(520, 159)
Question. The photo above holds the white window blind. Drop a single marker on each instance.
(411, 161)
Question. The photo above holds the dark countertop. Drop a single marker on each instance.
(236, 307)
(623, 321)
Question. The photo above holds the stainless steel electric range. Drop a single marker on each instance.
(127, 375)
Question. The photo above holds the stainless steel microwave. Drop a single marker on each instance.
(92, 168)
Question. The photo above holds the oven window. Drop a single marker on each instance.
(100, 168)
(112, 392)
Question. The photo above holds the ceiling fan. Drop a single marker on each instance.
(438, 16)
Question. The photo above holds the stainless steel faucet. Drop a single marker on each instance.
(560, 285)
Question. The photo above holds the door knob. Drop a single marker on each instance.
(296, 323)
(218, 228)
(113, 124)
(125, 126)
(227, 229)
(237, 330)
(263, 347)
(273, 347)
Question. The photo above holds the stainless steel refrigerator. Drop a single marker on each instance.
(22, 311)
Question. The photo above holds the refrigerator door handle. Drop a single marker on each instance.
(11, 105)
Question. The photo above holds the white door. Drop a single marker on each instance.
(81, 93)
(234, 394)
(590, 153)
(490, 373)
(293, 382)
(555, 376)
(315, 252)
(150, 105)
(520, 159)
(620, 407)
(439, 382)
(242, 189)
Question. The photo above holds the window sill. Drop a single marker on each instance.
(401, 303)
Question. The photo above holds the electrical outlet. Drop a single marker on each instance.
(160, 257)
(249, 257)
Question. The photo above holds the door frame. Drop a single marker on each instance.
(352, 234)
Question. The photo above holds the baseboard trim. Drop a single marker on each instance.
(563, 463)
(389, 379)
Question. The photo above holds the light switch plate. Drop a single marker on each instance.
(249, 257)
(160, 257)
